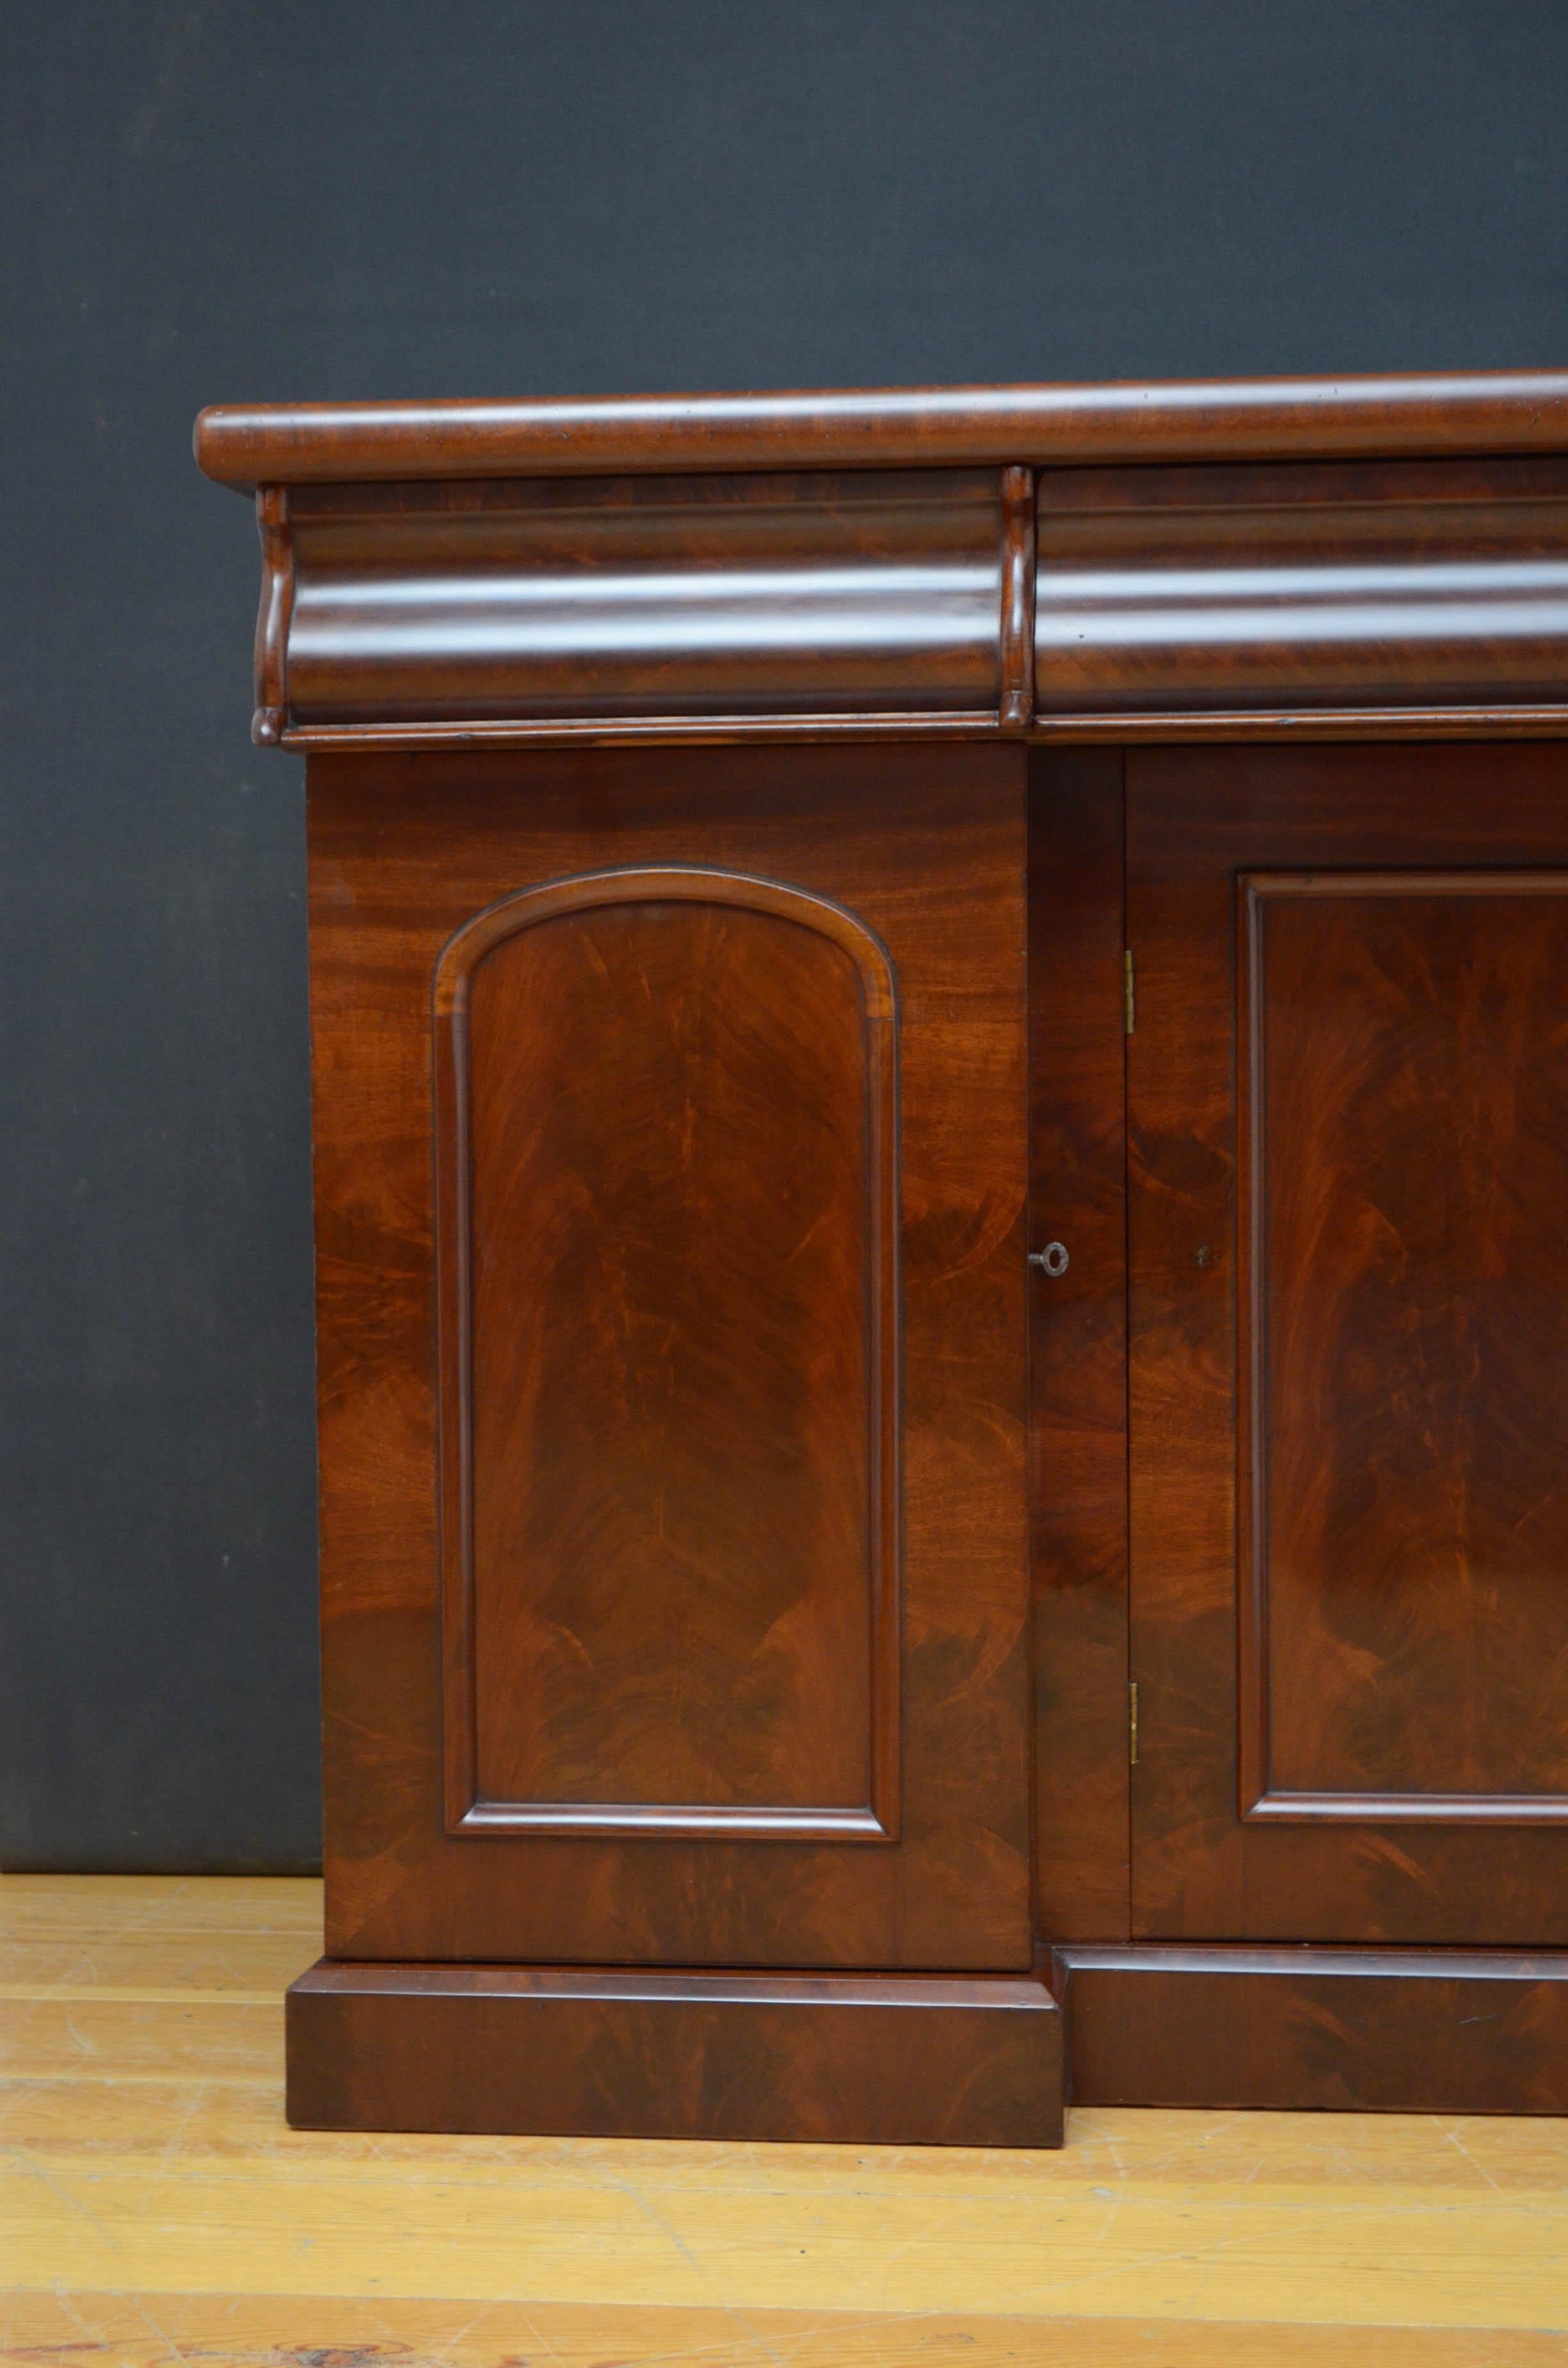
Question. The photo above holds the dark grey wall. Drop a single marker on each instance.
(228, 200)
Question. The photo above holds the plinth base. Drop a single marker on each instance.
(853, 2058)
(1403, 2030)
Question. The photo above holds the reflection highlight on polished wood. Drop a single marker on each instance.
(1195, 419)
(741, 597)
(157, 2208)
(1384, 585)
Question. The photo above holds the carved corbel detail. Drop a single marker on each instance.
(273, 615)
(1016, 709)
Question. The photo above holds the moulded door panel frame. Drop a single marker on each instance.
(1258, 1799)
(467, 1815)
(1375, 1869)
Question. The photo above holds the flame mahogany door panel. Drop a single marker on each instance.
(670, 1189)
(1348, 1246)
(666, 1248)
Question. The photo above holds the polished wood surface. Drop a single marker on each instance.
(1404, 1316)
(923, 849)
(871, 2059)
(686, 1277)
(1401, 585)
(1078, 1342)
(440, 611)
(667, 1246)
(452, 606)
(156, 2207)
(1417, 2029)
(1412, 1157)
(1523, 411)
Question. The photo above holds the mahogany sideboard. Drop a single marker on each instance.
(940, 1037)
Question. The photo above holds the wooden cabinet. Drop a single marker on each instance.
(941, 1107)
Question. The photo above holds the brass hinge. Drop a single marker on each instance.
(1133, 1724)
(1128, 1006)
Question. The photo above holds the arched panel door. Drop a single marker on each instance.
(667, 1221)
(670, 1186)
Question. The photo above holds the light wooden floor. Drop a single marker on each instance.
(155, 2208)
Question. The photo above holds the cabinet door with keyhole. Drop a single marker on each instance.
(670, 1191)
(1348, 1149)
